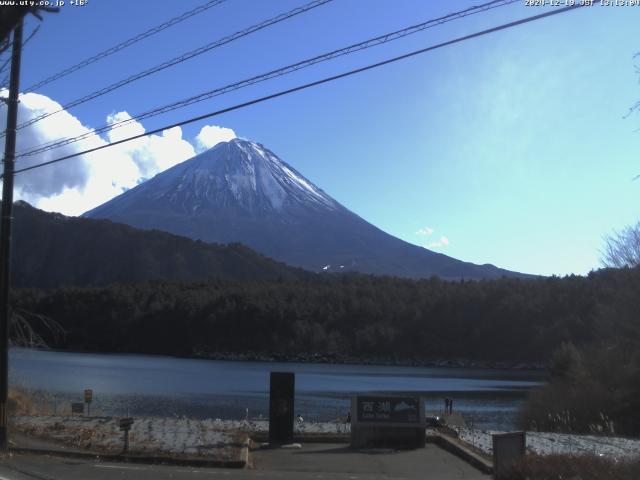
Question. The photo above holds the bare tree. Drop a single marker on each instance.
(622, 249)
(635, 108)
(23, 332)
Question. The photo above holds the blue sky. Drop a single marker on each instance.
(512, 146)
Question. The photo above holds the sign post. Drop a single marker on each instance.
(77, 407)
(125, 426)
(88, 396)
(281, 398)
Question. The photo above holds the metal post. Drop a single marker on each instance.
(126, 441)
(5, 229)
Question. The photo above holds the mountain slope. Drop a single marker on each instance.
(51, 250)
(239, 191)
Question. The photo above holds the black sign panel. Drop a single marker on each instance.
(282, 386)
(77, 407)
(125, 423)
(389, 409)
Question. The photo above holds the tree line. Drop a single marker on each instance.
(512, 320)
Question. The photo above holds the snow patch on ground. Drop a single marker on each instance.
(545, 443)
(157, 434)
(173, 436)
(223, 439)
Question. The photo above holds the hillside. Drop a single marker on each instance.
(52, 250)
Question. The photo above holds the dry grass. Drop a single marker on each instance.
(565, 467)
(25, 401)
(21, 402)
(182, 438)
(559, 407)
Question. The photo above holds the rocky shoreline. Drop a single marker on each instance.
(342, 359)
(336, 358)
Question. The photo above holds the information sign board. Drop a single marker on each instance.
(388, 409)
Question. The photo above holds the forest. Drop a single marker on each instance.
(586, 330)
(505, 320)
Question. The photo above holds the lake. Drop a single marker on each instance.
(141, 385)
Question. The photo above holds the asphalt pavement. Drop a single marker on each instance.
(312, 461)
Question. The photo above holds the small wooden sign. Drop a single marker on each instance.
(88, 395)
(125, 423)
(125, 426)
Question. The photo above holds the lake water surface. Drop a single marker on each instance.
(167, 386)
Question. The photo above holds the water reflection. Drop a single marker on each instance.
(154, 385)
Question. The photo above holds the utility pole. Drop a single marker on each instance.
(5, 229)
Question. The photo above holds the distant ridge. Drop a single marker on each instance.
(52, 250)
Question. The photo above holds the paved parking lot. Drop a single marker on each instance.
(313, 461)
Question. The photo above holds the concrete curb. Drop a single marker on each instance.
(459, 450)
(148, 459)
(262, 437)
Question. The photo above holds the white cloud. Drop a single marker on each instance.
(151, 154)
(79, 184)
(211, 135)
(53, 180)
(442, 242)
(426, 231)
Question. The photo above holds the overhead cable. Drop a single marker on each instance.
(179, 59)
(127, 43)
(311, 84)
(379, 40)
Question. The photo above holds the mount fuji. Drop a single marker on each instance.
(239, 191)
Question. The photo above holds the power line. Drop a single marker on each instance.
(5, 45)
(388, 37)
(311, 84)
(5, 81)
(180, 59)
(125, 44)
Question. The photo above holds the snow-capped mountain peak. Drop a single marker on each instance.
(240, 191)
(241, 173)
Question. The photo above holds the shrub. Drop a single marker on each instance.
(594, 390)
(20, 402)
(562, 467)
